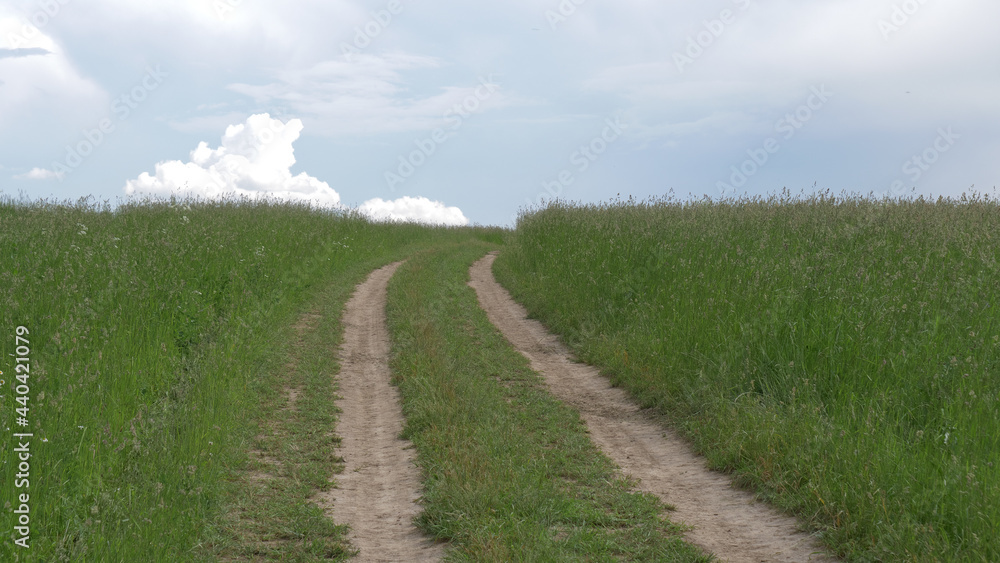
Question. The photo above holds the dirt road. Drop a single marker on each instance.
(725, 521)
(377, 493)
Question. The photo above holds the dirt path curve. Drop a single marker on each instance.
(725, 521)
(378, 490)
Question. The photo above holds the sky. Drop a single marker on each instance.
(455, 112)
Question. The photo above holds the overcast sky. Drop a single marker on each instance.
(419, 108)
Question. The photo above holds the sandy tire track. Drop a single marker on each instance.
(378, 491)
(724, 521)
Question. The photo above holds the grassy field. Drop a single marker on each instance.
(178, 391)
(511, 472)
(840, 356)
(158, 340)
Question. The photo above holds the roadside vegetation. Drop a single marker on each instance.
(838, 355)
(165, 339)
(510, 472)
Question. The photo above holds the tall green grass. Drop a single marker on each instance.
(840, 355)
(150, 325)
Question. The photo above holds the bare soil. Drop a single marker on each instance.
(724, 521)
(377, 494)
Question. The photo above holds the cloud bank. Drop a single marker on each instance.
(369, 94)
(418, 209)
(40, 174)
(41, 90)
(255, 160)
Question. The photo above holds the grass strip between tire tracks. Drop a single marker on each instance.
(511, 474)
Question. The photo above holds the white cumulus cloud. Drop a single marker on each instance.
(418, 209)
(254, 161)
(40, 174)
